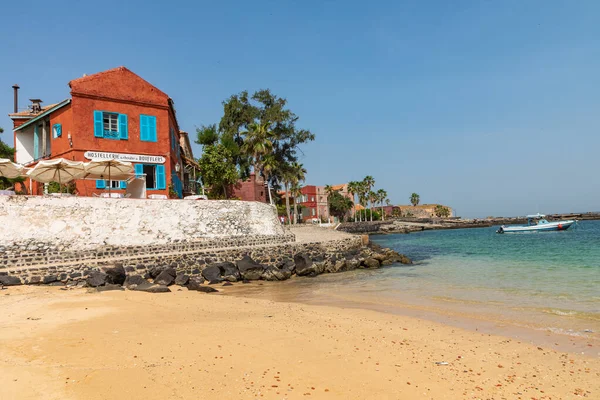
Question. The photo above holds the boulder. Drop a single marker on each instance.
(49, 279)
(288, 265)
(96, 278)
(115, 275)
(108, 287)
(56, 283)
(171, 271)
(212, 273)
(156, 270)
(386, 262)
(319, 266)
(371, 263)
(9, 280)
(228, 284)
(250, 269)
(151, 288)
(304, 265)
(352, 264)
(379, 257)
(35, 279)
(196, 286)
(229, 271)
(164, 278)
(276, 274)
(182, 279)
(133, 280)
(338, 266)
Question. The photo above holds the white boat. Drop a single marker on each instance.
(537, 223)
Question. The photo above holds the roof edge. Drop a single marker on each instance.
(37, 117)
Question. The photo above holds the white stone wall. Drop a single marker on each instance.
(87, 222)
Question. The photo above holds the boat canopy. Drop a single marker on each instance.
(538, 215)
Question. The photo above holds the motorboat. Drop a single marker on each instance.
(537, 223)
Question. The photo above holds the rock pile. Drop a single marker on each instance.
(158, 279)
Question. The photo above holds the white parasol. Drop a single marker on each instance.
(109, 169)
(9, 169)
(57, 170)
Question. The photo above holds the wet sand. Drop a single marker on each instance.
(58, 344)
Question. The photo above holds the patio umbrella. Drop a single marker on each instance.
(114, 169)
(9, 169)
(57, 170)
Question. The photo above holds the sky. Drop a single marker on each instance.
(490, 107)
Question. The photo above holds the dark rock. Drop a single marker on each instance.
(250, 269)
(63, 277)
(371, 263)
(287, 265)
(245, 281)
(171, 271)
(56, 283)
(34, 279)
(9, 280)
(275, 274)
(109, 287)
(140, 266)
(194, 285)
(304, 265)
(129, 268)
(133, 280)
(182, 279)
(196, 271)
(49, 279)
(164, 278)
(96, 278)
(229, 271)
(115, 275)
(228, 284)
(75, 275)
(212, 273)
(156, 270)
(151, 288)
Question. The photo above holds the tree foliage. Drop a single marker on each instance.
(442, 211)
(339, 205)
(415, 199)
(260, 132)
(218, 169)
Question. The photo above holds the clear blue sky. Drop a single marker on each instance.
(492, 107)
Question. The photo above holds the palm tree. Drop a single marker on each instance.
(295, 190)
(353, 190)
(258, 144)
(381, 196)
(414, 199)
(372, 199)
(369, 182)
(328, 191)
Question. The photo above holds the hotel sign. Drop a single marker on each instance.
(134, 158)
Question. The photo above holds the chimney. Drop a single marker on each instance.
(36, 105)
(16, 96)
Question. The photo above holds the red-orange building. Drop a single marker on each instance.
(111, 114)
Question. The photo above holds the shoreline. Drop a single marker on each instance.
(130, 345)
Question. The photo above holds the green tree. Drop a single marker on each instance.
(353, 190)
(292, 175)
(339, 205)
(381, 196)
(218, 169)
(441, 211)
(369, 182)
(296, 191)
(415, 199)
(7, 152)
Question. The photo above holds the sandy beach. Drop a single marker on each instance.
(77, 344)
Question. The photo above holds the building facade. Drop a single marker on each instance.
(113, 114)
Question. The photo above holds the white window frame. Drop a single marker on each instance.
(108, 119)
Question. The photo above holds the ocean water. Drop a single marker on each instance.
(512, 284)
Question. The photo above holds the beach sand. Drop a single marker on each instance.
(57, 344)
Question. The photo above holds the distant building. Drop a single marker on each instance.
(113, 114)
(420, 211)
(252, 189)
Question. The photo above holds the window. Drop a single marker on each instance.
(104, 184)
(148, 128)
(150, 171)
(313, 211)
(110, 125)
(155, 175)
(56, 130)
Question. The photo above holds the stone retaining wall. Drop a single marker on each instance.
(190, 261)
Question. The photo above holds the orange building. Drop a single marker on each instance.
(111, 114)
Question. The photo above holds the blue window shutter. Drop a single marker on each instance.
(100, 184)
(161, 181)
(123, 184)
(36, 143)
(139, 170)
(143, 128)
(152, 137)
(123, 126)
(98, 124)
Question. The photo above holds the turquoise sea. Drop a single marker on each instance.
(540, 287)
